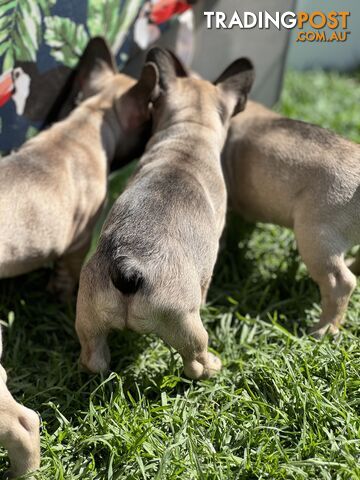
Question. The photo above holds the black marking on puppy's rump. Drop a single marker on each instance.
(126, 278)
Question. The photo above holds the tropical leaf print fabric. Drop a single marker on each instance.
(42, 40)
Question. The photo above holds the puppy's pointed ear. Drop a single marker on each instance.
(135, 108)
(148, 83)
(235, 84)
(98, 49)
(180, 69)
(96, 64)
(165, 66)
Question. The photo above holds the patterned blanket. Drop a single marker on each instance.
(41, 42)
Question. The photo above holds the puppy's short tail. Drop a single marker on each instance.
(125, 276)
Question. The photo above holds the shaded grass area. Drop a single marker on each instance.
(284, 406)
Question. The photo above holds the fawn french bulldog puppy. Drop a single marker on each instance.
(306, 178)
(158, 246)
(53, 188)
(19, 430)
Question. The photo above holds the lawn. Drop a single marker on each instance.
(284, 407)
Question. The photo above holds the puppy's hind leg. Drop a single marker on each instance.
(186, 333)
(65, 277)
(98, 311)
(322, 251)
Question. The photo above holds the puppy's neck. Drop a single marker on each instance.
(190, 132)
(93, 125)
(104, 120)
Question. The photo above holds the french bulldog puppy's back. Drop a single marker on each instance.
(158, 247)
(167, 225)
(53, 189)
(305, 177)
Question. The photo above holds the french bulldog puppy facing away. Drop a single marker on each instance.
(53, 189)
(19, 430)
(158, 246)
(306, 178)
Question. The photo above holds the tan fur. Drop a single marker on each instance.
(306, 178)
(165, 227)
(19, 430)
(52, 192)
(100, 306)
(55, 186)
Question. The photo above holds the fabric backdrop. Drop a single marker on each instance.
(42, 40)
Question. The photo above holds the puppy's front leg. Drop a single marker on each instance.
(19, 433)
(188, 336)
(65, 277)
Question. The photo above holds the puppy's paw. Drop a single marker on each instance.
(214, 365)
(197, 370)
(92, 368)
(97, 362)
(328, 329)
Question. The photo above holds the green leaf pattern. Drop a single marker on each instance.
(66, 39)
(21, 29)
(25, 23)
(103, 19)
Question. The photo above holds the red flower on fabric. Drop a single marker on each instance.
(163, 10)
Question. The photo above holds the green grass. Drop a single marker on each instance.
(284, 407)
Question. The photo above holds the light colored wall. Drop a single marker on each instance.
(215, 49)
(336, 55)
